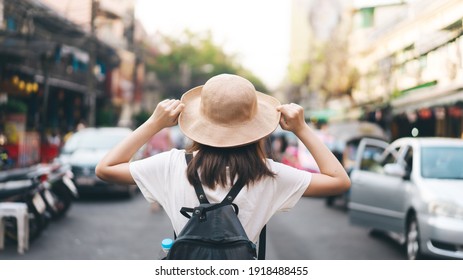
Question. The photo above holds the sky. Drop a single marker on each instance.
(257, 31)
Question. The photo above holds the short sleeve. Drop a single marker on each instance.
(151, 174)
(290, 185)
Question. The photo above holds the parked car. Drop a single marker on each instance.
(346, 138)
(412, 190)
(84, 149)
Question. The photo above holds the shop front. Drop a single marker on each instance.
(429, 112)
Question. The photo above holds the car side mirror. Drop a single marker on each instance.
(395, 169)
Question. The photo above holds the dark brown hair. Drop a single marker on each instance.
(246, 165)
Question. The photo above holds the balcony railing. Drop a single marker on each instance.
(60, 75)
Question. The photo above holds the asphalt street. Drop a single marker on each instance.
(127, 229)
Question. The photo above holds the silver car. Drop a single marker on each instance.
(85, 149)
(412, 189)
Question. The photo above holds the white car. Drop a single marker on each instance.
(412, 188)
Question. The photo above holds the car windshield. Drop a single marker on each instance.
(442, 162)
(94, 140)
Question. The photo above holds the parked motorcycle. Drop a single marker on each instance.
(47, 190)
(18, 186)
(59, 189)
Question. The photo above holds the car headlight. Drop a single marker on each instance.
(446, 209)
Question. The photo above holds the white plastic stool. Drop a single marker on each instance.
(18, 210)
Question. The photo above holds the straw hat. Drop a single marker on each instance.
(227, 111)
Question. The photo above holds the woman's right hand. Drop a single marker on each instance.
(292, 117)
(167, 112)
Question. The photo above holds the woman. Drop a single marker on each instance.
(228, 121)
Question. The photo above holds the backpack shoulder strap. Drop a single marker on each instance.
(262, 243)
(234, 191)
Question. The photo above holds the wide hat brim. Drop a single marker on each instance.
(201, 130)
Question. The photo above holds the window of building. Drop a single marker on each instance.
(367, 17)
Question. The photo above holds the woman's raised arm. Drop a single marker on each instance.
(332, 178)
(114, 167)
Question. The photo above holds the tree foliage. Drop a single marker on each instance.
(190, 60)
(327, 71)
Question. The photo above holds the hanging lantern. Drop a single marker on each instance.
(455, 112)
(425, 113)
(35, 87)
(22, 85)
(15, 80)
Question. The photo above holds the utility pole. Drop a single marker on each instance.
(45, 60)
(91, 94)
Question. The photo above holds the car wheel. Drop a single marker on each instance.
(130, 192)
(412, 242)
(345, 201)
(376, 233)
(330, 201)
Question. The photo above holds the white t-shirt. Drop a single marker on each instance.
(162, 178)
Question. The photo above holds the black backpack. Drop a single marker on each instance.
(214, 232)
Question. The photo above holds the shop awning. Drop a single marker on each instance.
(321, 115)
(428, 97)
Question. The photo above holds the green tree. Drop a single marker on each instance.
(190, 60)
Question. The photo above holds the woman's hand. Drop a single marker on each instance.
(292, 117)
(167, 112)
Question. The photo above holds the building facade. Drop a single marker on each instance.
(409, 55)
(45, 78)
(113, 22)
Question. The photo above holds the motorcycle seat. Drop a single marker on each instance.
(14, 188)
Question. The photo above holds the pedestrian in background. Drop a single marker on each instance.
(228, 122)
(278, 147)
(291, 157)
(158, 143)
(81, 125)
